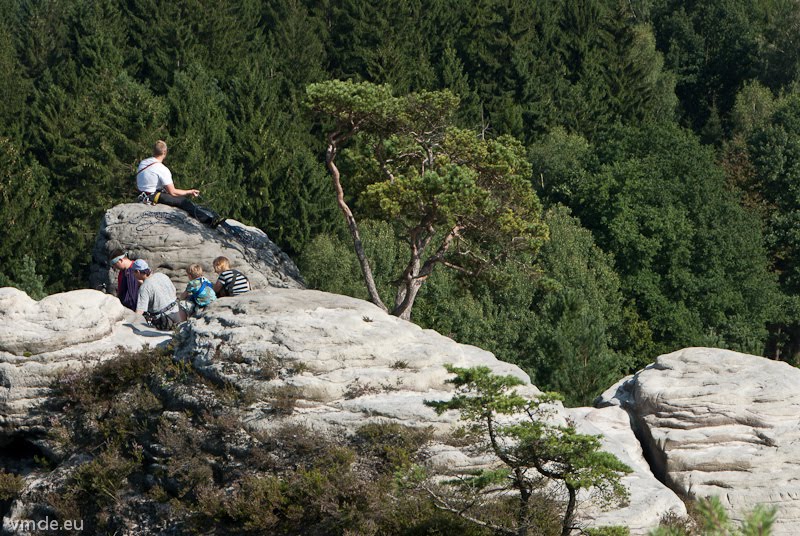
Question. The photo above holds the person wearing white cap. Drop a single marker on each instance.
(157, 297)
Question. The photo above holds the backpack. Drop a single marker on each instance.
(204, 284)
(160, 319)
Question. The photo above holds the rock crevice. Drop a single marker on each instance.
(720, 423)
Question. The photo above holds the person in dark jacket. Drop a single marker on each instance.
(127, 284)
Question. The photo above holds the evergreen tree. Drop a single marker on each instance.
(285, 191)
(40, 34)
(700, 41)
(715, 521)
(579, 316)
(457, 200)
(250, 100)
(25, 218)
(453, 77)
(297, 54)
(172, 37)
(580, 65)
(88, 118)
(201, 152)
(500, 45)
(613, 71)
(779, 56)
(530, 446)
(295, 192)
(383, 43)
(21, 273)
(15, 86)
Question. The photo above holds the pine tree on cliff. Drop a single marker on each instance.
(456, 199)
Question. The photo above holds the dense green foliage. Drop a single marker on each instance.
(686, 252)
(660, 139)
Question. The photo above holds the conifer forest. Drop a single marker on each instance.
(647, 153)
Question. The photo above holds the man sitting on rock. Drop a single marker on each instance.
(127, 284)
(157, 297)
(154, 181)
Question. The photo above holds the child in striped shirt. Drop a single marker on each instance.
(230, 282)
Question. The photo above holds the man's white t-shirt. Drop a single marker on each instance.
(152, 175)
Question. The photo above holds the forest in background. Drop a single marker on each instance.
(663, 138)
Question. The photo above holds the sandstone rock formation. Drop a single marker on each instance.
(41, 340)
(347, 362)
(650, 498)
(342, 361)
(717, 422)
(170, 240)
(350, 360)
(712, 422)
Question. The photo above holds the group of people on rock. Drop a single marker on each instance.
(153, 294)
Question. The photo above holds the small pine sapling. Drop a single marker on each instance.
(518, 432)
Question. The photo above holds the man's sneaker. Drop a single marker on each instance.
(216, 221)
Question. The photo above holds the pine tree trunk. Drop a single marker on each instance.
(523, 515)
(369, 280)
(569, 514)
(409, 294)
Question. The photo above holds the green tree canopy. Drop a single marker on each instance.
(716, 267)
(87, 120)
(690, 258)
(773, 151)
(25, 216)
(457, 199)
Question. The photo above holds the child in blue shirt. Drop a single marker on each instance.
(199, 291)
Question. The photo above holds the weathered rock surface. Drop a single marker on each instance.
(345, 357)
(328, 362)
(650, 499)
(56, 322)
(41, 340)
(170, 240)
(341, 362)
(347, 362)
(718, 422)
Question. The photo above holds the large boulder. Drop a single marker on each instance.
(169, 239)
(340, 354)
(345, 362)
(42, 340)
(721, 423)
(28, 327)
